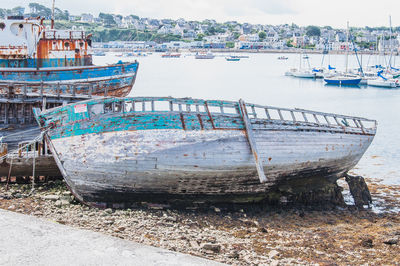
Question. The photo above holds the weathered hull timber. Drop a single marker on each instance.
(111, 80)
(123, 154)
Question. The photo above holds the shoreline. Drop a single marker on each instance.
(288, 235)
(239, 51)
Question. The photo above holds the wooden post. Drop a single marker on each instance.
(34, 167)
(44, 103)
(252, 142)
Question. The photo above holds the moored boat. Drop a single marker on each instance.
(40, 58)
(231, 58)
(304, 73)
(113, 151)
(171, 55)
(383, 83)
(203, 55)
(347, 80)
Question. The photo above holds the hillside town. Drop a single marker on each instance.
(117, 31)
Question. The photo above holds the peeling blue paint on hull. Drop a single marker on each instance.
(112, 151)
(111, 80)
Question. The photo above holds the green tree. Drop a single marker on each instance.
(211, 31)
(236, 35)
(40, 10)
(230, 45)
(313, 31)
(108, 19)
(262, 35)
(199, 37)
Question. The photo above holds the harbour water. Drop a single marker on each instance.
(260, 79)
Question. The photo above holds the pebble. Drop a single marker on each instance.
(194, 244)
(211, 247)
(272, 254)
(229, 238)
(391, 241)
(367, 242)
(51, 197)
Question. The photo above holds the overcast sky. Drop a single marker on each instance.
(302, 12)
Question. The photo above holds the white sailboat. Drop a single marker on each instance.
(346, 78)
(304, 72)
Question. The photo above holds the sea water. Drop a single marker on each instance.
(260, 79)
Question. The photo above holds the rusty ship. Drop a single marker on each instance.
(35, 58)
(112, 151)
(43, 67)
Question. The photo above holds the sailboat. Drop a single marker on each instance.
(346, 78)
(382, 81)
(387, 80)
(303, 72)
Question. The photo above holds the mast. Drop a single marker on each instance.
(52, 16)
(348, 47)
(390, 43)
(301, 54)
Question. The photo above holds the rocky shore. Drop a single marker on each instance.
(245, 235)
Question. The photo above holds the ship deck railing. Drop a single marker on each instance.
(83, 90)
(26, 150)
(255, 112)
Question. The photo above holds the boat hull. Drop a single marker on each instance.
(382, 83)
(111, 80)
(348, 82)
(216, 165)
(115, 151)
(303, 75)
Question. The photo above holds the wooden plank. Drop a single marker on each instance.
(253, 145)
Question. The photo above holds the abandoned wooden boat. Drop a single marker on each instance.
(113, 151)
(34, 58)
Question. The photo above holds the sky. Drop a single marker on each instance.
(334, 13)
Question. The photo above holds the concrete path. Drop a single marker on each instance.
(27, 240)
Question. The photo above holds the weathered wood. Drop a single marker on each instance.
(252, 142)
(116, 156)
(359, 190)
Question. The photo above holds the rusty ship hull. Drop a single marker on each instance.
(111, 153)
(34, 58)
(111, 80)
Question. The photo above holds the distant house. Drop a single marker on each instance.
(249, 38)
(73, 18)
(340, 36)
(87, 18)
(190, 34)
(246, 28)
(388, 45)
(165, 29)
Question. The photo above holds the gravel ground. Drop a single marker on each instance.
(247, 235)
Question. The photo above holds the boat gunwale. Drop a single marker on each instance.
(47, 69)
(359, 127)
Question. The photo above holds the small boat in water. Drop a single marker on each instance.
(240, 56)
(100, 53)
(383, 83)
(304, 73)
(203, 55)
(283, 58)
(115, 151)
(291, 71)
(346, 80)
(171, 55)
(231, 58)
